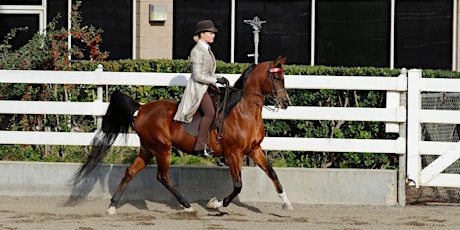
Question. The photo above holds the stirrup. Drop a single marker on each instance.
(203, 153)
(208, 152)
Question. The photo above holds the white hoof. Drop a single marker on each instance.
(188, 209)
(288, 206)
(214, 203)
(111, 211)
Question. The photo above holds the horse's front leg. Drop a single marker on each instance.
(164, 161)
(234, 164)
(257, 155)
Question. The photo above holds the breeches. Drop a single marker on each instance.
(207, 108)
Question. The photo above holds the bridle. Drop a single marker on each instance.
(272, 75)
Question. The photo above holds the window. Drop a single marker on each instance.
(21, 2)
(115, 18)
(12, 16)
(353, 33)
(286, 34)
(424, 34)
(286, 31)
(53, 8)
(188, 13)
(9, 21)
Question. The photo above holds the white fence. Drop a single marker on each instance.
(448, 152)
(395, 115)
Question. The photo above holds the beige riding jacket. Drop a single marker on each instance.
(203, 74)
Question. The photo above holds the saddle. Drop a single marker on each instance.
(219, 101)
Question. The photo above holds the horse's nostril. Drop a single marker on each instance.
(287, 101)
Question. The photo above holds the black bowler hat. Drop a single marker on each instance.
(204, 26)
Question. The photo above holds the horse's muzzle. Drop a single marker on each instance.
(283, 102)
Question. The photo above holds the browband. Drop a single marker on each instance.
(275, 70)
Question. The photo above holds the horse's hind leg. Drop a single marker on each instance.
(139, 163)
(164, 161)
(257, 155)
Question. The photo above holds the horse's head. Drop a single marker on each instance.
(273, 85)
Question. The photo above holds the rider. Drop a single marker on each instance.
(195, 96)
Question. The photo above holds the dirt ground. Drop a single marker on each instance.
(58, 213)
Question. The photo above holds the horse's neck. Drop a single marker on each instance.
(252, 101)
(253, 91)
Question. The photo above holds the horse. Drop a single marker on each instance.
(242, 136)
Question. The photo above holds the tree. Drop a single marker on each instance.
(49, 49)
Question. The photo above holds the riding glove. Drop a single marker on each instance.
(222, 81)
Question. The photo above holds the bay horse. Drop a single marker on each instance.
(244, 132)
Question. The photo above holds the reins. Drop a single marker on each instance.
(220, 120)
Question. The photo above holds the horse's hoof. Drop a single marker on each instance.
(288, 206)
(212, 203)
(111, 211)
(189, 209)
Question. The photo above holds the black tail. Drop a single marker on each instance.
(118, 118)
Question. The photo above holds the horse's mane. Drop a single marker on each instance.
(236, 92)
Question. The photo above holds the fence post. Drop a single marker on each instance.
(402, 134)
(100, 95)
(394, 101)
(414, 162)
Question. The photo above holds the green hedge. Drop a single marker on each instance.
(286, 128)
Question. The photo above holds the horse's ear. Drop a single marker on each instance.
(280, 60)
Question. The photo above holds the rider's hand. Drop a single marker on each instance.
(222, 81)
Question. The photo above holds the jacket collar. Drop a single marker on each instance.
(204, 45)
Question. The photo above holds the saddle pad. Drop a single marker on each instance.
(192, 127)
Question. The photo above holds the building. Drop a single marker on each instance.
(380, 33)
